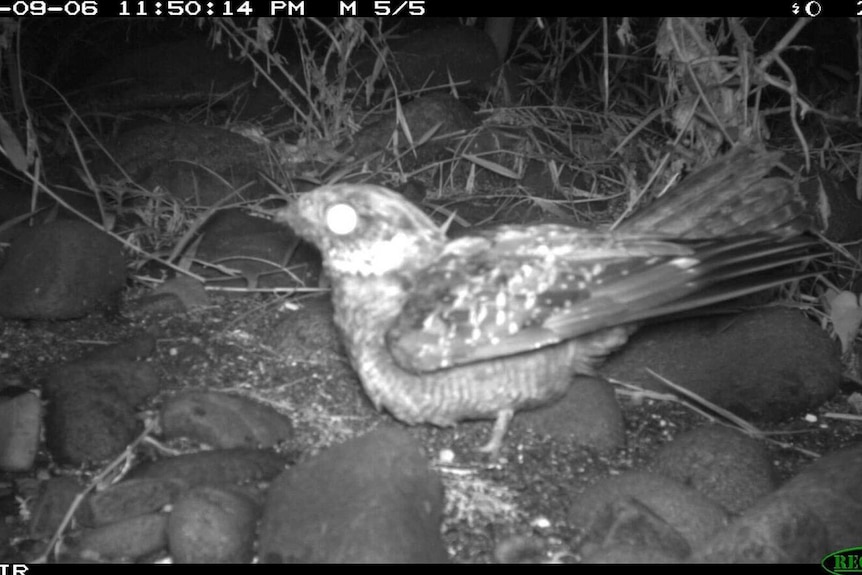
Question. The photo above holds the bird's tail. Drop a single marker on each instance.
(729, 197)
(737, 268)
(716, 272)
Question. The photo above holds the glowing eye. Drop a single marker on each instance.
(341, 219)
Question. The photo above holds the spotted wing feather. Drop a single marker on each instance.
(522, 288)
(490, 295)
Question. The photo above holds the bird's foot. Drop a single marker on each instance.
(501, 425)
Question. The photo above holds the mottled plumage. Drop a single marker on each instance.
(441, 331)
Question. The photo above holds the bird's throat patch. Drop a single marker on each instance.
(381, 258)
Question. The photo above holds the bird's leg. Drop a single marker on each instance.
(501, 425)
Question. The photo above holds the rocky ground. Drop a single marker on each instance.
(529, 505)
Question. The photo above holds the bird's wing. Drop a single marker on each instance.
(517, 289)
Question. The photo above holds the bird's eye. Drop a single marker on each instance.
(341, 219)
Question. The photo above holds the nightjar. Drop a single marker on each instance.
(479, 327)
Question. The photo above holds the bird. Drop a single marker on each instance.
(443, 330)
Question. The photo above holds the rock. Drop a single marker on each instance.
(624, 555)
(421, 115)
(61, 270)
(520, 550)
(726, 465)
(91, 408)
(690, 513)
(129, 539)
(588, 415)
(368, 500)
(189, 291)
(217, 467)
(200, 165)
(56, 495)
(815, 513)
(438, 56)
(829, 488)
(89, 428)
(259, 250)
(224, 421)
(627, 528)
(133, 381)
(212, 525)
(128, 499)
(778, 530)
(309, 335)
(765, 365)
(20, 427)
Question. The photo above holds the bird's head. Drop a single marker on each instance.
(365, 230)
